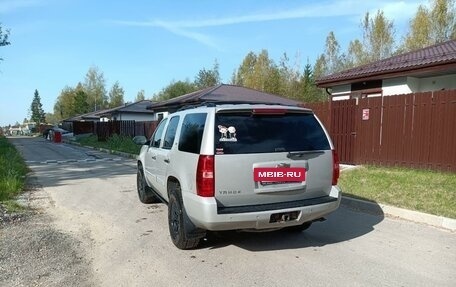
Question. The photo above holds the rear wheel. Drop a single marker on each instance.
(178, 221)
(299, 228)
(145, 193)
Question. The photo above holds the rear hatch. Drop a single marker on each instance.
(251, 142)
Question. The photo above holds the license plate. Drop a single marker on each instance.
(271, 174)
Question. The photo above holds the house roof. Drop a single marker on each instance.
(137, 107)
(89, 116)
(223, 93)
(439, 57)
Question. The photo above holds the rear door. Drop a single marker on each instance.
(270, 139)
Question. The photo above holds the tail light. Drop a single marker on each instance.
(269, 112)
(205, 176)
(336, 168)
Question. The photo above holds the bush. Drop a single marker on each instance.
(115, 142)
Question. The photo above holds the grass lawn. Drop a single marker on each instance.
(12, 172)
(118, 143)
(422, 190)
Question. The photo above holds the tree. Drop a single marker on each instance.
(321, 67)
(175, 89)
(259, 72)
(64, 106)
(289, 84)
(378, 36)
(356, 55)
(4, 38)
(431, 26)
(52, 118)
(80, 103)
(94, 87)
(419, 35)
(332, 54)
(208, 78)
(443, 24)
(116, 95)
(245, 71)
(310, 92)
(140, 96)
(36, 109)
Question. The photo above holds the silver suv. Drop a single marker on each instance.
(239, 167)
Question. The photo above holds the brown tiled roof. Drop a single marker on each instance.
(224, 93)
(437, 57)
(137, 107)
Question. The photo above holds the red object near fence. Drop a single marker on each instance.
(57, 137)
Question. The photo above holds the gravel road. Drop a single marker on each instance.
(33, 252)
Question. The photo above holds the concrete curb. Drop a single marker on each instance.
(411, 215)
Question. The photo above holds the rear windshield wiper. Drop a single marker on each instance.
(302, 153)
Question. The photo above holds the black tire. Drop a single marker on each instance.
(299, 228)
(145, 193)
(176, 221)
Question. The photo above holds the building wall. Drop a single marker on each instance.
(396, 86)
(447, 82)
(134, 116)
(405, 85)
(342, 89)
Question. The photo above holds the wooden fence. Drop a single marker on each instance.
(104, 130)
(414, 130)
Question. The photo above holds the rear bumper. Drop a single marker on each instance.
(205, 213)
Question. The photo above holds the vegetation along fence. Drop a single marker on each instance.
(415, 130)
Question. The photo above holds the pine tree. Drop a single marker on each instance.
(36, 109)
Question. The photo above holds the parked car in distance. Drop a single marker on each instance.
(239, 167)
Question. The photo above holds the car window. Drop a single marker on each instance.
(171, 132)
(192, 132)
(157, 136)
(238, 133)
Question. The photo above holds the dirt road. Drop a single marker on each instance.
(93, 204)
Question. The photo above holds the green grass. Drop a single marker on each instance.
(422, 190)
(117, 143)
(12, 171)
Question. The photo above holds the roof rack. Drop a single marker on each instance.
(217, 103)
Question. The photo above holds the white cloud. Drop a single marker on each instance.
(395, 10)
(7, 6)
(399, 11)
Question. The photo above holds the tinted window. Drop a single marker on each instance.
(238, 133)
(171, 133)
(192, 132)
(156, 138)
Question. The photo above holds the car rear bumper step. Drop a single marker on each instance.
(274, 206)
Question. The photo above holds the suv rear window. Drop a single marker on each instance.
(241, 132)
(192, 132)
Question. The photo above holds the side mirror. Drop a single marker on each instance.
(140, 140)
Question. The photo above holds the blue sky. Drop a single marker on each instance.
(147, 44)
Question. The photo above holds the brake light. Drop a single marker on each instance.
(205, 176)
(336, 168)
(269, 111)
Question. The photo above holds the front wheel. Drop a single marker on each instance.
(177, 229)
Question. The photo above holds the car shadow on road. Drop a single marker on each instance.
(343, 225)
(51, 175)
